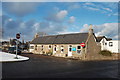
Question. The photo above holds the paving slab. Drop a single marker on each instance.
(8, 57)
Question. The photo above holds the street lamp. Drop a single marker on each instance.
(17, 37)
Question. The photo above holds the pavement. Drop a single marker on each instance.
(8, 57)
(39, 66)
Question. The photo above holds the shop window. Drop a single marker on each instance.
(79, 47)
(110, 44)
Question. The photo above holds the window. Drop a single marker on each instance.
(42, 48)
(49, 46)
(55, 49)
(31, 47)
(70, 45)
(105, 43)
(70, 49)
(78, 51)
(62, 50)
(110, 44)
(35, 47)
(79, 47)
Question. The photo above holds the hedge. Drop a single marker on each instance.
(105, 53)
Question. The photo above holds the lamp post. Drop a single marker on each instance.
(17, 37)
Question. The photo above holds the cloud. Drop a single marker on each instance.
(57, 17)
(61, 0)
(29, 28)
(108, 9)
(85, 28)
(88, 3)
(115, 14)
(71, 19)
(11, 27)
(107, 29)
(91, 8)
(49, 28)
(72, 6)
(60, 15)
(67, 32)
(19, 9)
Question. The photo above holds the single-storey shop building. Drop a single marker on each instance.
(82, 45)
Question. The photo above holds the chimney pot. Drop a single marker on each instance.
(90, 29)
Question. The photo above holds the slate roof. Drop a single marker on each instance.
(99, 38)
(108, 39)
(75, 38)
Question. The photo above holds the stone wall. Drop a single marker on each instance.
(58, 51)
(92, 49)
(43, 50)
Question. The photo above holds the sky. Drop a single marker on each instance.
(53, 18)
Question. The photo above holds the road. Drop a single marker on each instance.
(39, 66)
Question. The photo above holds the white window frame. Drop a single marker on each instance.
(31, 47)
(78, 49)
(110, 44)
(62, 47)
(49, 47)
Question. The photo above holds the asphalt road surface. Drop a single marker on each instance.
(39, 66)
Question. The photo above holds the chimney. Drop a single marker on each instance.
(90, 29)
(36, 35)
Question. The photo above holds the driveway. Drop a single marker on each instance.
(39, 66)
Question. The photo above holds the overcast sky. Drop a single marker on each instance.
(59, 18)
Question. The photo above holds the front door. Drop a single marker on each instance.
(70, 50)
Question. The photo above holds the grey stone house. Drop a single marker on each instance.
(67, 45)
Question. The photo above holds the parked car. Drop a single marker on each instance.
(13, 50)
